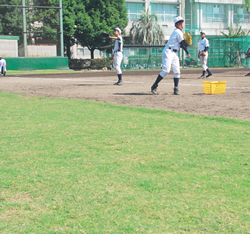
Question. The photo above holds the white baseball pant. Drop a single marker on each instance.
(2, 65)
(117, 62)
(170, 59)
(204, 61)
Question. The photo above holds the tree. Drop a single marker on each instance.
(69, 22)
(146, 31)
(247, 5)
(98, 16)
(48, 29)
(11, 22)
(236, 32)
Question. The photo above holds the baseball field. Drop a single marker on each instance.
(80, 155)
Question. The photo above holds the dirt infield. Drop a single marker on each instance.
(98, 86)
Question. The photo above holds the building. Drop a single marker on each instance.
(213, 16)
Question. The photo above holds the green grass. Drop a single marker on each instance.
(74, 166)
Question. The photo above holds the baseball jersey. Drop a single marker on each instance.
(118, 44)
(203, 43)
(175, 39)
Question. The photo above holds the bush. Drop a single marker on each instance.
(79, 63)
(100, 63)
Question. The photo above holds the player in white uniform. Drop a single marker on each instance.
(203, 55)
(2, 66)
(117, 57)
(170, 56)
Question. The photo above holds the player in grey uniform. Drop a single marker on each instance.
(2, 66)
(117, 56)
(203, 55)
(170, 56)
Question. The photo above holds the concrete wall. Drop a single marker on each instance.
(41, 50)
(8, 46)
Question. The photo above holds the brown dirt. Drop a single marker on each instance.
(98, 86)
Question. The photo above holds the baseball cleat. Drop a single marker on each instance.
(201, 77)
(154, 90)
(248, 74)
(118, 83)
(4, 73)
(176, 91)
(209, 75)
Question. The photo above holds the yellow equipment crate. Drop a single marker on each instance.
(214, 87)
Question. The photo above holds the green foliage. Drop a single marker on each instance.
(11, 22)
(90, 63)
(73, 166)
(100, 63)
(146, 31)
(236, 32)
(69, 21)
(96, 16)
(49, 30)
(247, 5)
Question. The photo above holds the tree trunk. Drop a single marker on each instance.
(92, 53)
(68, 51)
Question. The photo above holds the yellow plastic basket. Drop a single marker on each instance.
(214, 87)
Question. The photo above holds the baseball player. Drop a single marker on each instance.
(248, 56)
(117, 56)
(203, 54)
(170, 56)
(2, 66)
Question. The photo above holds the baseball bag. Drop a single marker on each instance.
(104, 35)
(187, 38)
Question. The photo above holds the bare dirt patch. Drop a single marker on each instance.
(98, 86)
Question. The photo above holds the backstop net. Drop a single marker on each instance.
(223, 52)
(32, 25)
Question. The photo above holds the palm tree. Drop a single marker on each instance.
(146, 31)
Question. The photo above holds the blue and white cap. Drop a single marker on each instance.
(117, 29)
(202, 32)
(178, 19)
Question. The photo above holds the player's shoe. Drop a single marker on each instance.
(248, 74)
(176, 91)
(118, 83)
(201, 77)
(154, 90)
(209, 73)
(4, 73)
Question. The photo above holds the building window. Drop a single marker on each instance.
(134, 10)
(80, 51)
(241, 15)
(164, 12)
(213, 13)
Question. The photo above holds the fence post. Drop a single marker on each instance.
(61, 28)
(24, 30)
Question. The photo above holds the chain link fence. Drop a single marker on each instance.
(223, 52)
(35, 25)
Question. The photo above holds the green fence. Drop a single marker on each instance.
(223, 52)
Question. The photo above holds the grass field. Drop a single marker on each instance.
(74, 166)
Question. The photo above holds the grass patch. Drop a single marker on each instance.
(78, 166)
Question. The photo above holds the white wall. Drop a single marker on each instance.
(41, 50)
(8, 48)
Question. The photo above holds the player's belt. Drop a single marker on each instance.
(173, 49)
